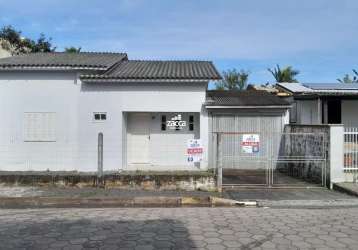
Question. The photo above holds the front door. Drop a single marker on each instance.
(138, 138)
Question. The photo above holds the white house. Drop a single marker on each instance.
(153, 115)
(54, 105)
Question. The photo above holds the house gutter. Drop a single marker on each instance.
(141, 80)
(50, 68)
(249, 107)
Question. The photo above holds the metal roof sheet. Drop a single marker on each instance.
(331, 86)
(329, 89)
(294, 87)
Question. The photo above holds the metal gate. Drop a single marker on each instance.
(271, 159)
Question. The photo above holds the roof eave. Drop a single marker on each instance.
(19, 68)
(248, 107)
(322, 93)
(98, 80)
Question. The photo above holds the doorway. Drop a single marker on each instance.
(334, 111)
(138, 138)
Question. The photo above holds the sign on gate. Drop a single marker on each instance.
(250, 143)
(195, 150)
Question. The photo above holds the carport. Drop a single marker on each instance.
(248, 142)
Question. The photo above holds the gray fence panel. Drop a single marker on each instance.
(286, 159)
(242, 122)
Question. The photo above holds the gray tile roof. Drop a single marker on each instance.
(134, 69)
(243, 98)
(62, 59)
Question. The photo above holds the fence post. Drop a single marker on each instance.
(220, 166)
(336, 154)
(100, 160)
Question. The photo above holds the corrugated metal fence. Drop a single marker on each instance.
(271, 159)
(241, 122)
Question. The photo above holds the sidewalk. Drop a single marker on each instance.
(54, 197)
(67, 197)
(347, 187)
(294, 197)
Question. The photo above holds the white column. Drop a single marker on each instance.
(204, 136)
(336, 154)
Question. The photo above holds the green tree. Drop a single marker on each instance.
(349, 79)
(43, 44)
(12, 41)
(72, 49)
(233, 80)
(286, 74)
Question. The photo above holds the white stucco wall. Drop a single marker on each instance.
(38, 92)
(75, 147)
(116, 98)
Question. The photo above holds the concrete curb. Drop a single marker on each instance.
(297, 204)
(149, 201)
(341, 188)
(217, 201)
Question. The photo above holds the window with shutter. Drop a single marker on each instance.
(39, 126)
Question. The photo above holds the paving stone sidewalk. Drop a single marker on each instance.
(179, 228)
(347, 187)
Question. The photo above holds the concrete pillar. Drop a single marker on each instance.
(220, 163)
(336, 153)
(319, 111)
(325, 112)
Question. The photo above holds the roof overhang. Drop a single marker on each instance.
(50, 68)
(249, 107)
(299, 90)
(114, 80)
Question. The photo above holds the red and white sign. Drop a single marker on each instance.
(194, 150)
(250, 143)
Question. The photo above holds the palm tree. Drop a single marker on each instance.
(284, 75)
(233, 80)
(348, 79)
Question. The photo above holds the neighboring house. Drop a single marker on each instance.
(334, 103)
(54, 105)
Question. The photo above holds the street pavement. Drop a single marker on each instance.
(179, 228)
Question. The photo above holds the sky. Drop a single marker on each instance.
(317, 37)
